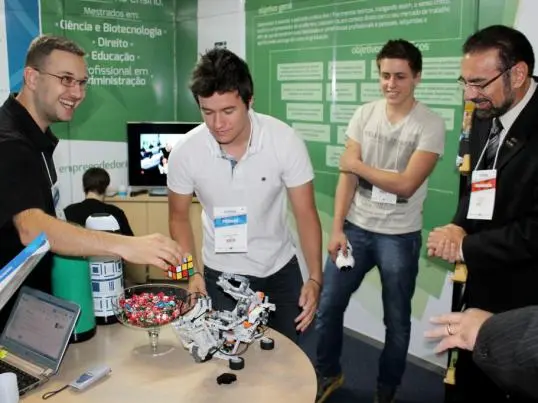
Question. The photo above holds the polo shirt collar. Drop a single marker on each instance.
(46, 141)
(255, 142)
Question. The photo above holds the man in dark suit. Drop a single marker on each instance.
(503, 345)
(495, 229)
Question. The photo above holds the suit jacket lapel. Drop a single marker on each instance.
(518, 134)
(511, 144)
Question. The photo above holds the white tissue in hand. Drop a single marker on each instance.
(345, 262)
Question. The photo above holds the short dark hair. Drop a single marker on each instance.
(95, 180)
(512, 45)
(42, 46)
(401, 49)
(219, 71)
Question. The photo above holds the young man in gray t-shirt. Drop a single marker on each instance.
(393, 145)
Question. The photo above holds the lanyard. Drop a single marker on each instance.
(48, 171)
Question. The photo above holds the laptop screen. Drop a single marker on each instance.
(39, 328)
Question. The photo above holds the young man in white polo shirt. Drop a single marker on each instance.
(393, 145)
(242, 165)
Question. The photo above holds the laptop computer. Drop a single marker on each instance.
(36, 336)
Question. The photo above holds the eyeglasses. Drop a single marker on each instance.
(481, 87)
(67, 81)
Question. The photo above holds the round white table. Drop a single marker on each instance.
(284, 374)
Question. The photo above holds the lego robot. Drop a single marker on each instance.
(206, 333)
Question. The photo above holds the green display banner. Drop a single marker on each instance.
(313, 64)
(130, 54)
(186, 58)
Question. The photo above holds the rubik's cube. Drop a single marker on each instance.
(183, 271)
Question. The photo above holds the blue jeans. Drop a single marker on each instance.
(396, 257)
(283, 289)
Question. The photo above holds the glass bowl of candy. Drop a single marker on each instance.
(150, 307)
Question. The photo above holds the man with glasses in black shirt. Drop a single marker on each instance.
(55, 78)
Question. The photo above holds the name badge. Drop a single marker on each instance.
(58, 206)
(482, 201)
(380, 196)
(230, 229)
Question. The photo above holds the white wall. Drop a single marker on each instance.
(222, 21)
(526, 23)
(4, 70)
(73, 157)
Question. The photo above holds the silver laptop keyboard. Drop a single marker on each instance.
(24, 380)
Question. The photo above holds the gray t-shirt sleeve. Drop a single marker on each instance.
(432, 138)
(356, 126)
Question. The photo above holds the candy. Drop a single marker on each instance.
(150, 309)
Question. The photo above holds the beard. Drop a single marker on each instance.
(495, 111)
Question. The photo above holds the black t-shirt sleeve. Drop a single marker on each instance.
(21, 173)
(125, 228)
(74, 215)
(69, 215)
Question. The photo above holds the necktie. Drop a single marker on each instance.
(493, 143)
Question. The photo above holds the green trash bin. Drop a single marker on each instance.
(71, 281)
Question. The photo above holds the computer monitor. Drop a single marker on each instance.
(149, 145)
